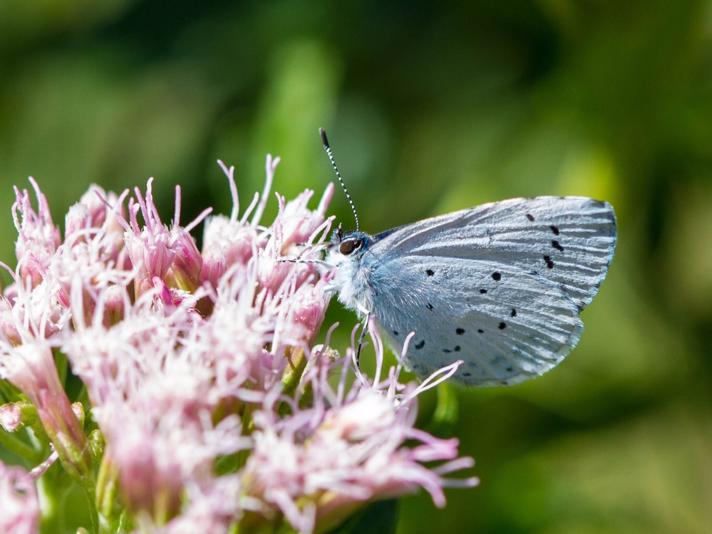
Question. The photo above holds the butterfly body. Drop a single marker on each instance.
(499, 286)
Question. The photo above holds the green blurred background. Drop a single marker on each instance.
(432, 107)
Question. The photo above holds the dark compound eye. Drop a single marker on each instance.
(349, 245)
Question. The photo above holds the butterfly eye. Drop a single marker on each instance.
(348, 246)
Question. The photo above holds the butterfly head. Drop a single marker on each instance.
(349, 244)
(349, 279)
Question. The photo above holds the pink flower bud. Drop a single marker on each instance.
(226, 242)
(31, 368)
(89, 213)
(97, 215)
(8, 329)
(187, 262)
(151, 256)
(114, 303)
(38, 237)
(157, 252)
(297, 222)
(211, 509)
(308, 307)
(150, 478)
(11, 416)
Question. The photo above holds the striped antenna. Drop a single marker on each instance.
(327, 148)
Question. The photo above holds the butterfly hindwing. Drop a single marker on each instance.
(506, 330)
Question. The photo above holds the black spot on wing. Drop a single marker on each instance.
(549, 263)
(420, 344)
(429, 306)
(459, 331)
(554, 229)
(496, 276)
(502, 325)
(530, 217)
(557, 245)
(483, 291)
(480, 331)
(429, 272)
(513, 313)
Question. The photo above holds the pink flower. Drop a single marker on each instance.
(31, 368)
(319, 464)
(228, 241)
(94, 227)
(307, 313)
(38, 237)
(8, 331)
(19, 507)
(211, 509)
(187, 263)
(10, 416)
(297, 224)
(212, 404)
(149, 248)
(97, 212)
(159, 252)
(93, 251)
(152, 388)
(32, 311)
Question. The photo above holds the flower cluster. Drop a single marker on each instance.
(205, 400)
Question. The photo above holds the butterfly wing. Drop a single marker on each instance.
(499, 286)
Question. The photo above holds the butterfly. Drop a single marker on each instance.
(499, 286)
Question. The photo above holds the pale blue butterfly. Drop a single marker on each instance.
(499, 286)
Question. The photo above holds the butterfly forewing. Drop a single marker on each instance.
(568, 240)
(499, 286)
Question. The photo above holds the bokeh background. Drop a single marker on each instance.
(432, 107)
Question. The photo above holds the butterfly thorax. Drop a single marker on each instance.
(350, 277)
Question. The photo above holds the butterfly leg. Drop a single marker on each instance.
(361, 338)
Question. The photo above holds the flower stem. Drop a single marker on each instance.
(293, 372)
(106, 487)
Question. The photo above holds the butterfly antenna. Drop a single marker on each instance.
(329, 152)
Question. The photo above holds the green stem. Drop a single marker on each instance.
(105, 498)
(90, 494)
(294, 371)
